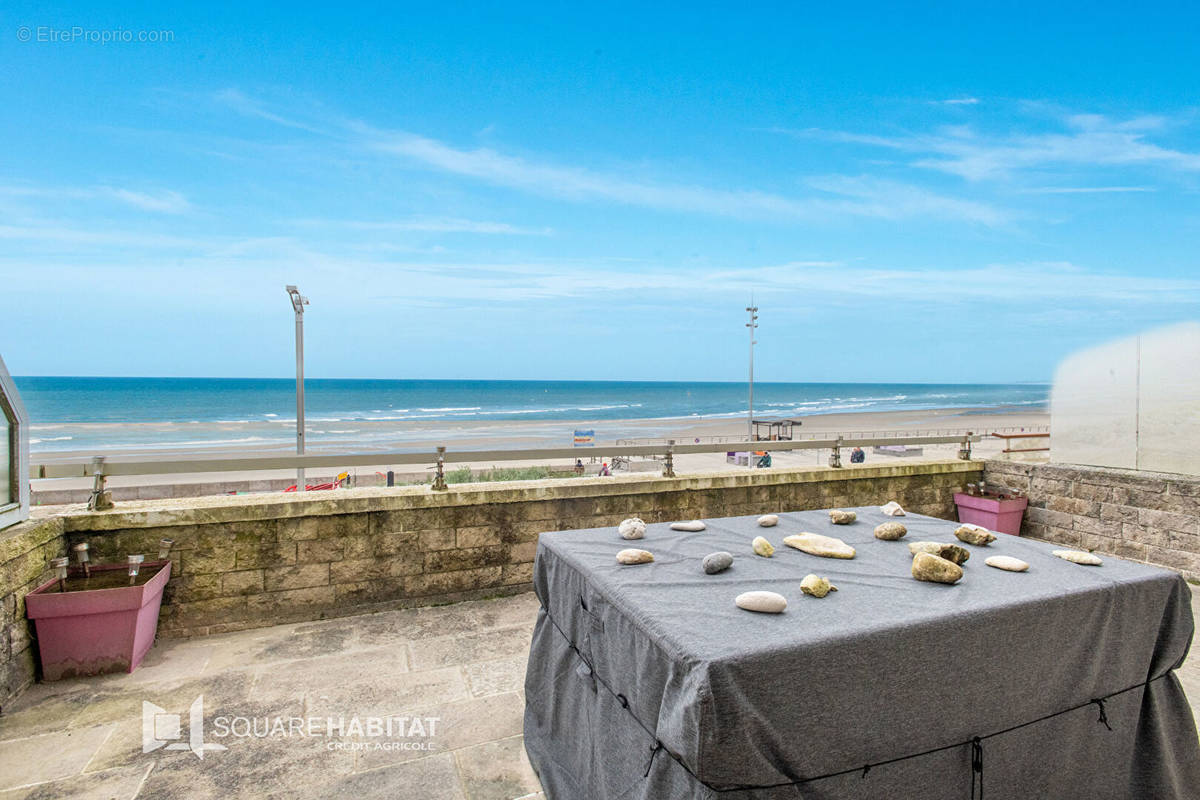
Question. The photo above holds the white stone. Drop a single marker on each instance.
(694, 525)
(839, 517)
(818, 545)
(634, 556)
(768, 520)
(1079, 557)
(764, 602)
(892, 509)
(762, 547)
(1006, 563)
(632, 528)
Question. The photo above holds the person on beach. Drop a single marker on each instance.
(857, 456)
(604, 469)
(579, 466)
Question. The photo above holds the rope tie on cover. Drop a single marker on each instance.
(1099, 701)
(976, 766)
(653, 752)
(975, 742)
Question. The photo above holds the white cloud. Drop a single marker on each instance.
(249, 107)
(1086, 189)
(866, 198)
(581, 184)
(165, 202)
(957, 101)
(1050, 282)
(65, 237)
(1087, 141)
(891, 200)
(880, 290)
(431, 225)
(885, 200)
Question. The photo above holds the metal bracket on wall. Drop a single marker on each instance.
(439, 480)
(669, 462)
(101, 499)
(964, 449)
(835, 457)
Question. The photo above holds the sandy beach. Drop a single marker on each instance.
(526, 434)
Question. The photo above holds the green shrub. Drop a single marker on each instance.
(464, 474)
(460, 475)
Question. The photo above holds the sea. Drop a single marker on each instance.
(106, 414)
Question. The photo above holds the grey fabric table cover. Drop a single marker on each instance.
(885, 667)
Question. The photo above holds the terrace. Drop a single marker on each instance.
(443, 642)
(293, 623)
(462, 665)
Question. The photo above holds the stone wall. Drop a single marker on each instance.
(1145, 516)
(25, 553)
(254, 560)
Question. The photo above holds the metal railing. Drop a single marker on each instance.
(907, 436)
(100, 468)
(140, 465)
(1008, 437)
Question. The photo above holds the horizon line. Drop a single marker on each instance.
(536, 380)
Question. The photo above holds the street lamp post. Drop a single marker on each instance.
(298, 304)
(752, 324)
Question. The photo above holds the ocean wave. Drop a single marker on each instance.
(200, 442)
(51, 439)
(453, 408)
(604, 408)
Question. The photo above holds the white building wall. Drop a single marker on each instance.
(1132, 403)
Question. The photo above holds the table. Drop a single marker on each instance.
(646, 682)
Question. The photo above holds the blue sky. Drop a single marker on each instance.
(941, 194)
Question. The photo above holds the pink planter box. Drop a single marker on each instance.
(98, 630)
(1003, 516)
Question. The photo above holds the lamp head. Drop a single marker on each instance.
(298, 302)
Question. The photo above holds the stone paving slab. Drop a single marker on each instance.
(461, 666)
(455, 674)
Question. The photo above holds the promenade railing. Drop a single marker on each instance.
(908, 435)
(99, 468)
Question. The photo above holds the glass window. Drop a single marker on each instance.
(7, 455)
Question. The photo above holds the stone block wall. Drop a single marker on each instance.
(255, 560)
(25, 553)
(1146, 516)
